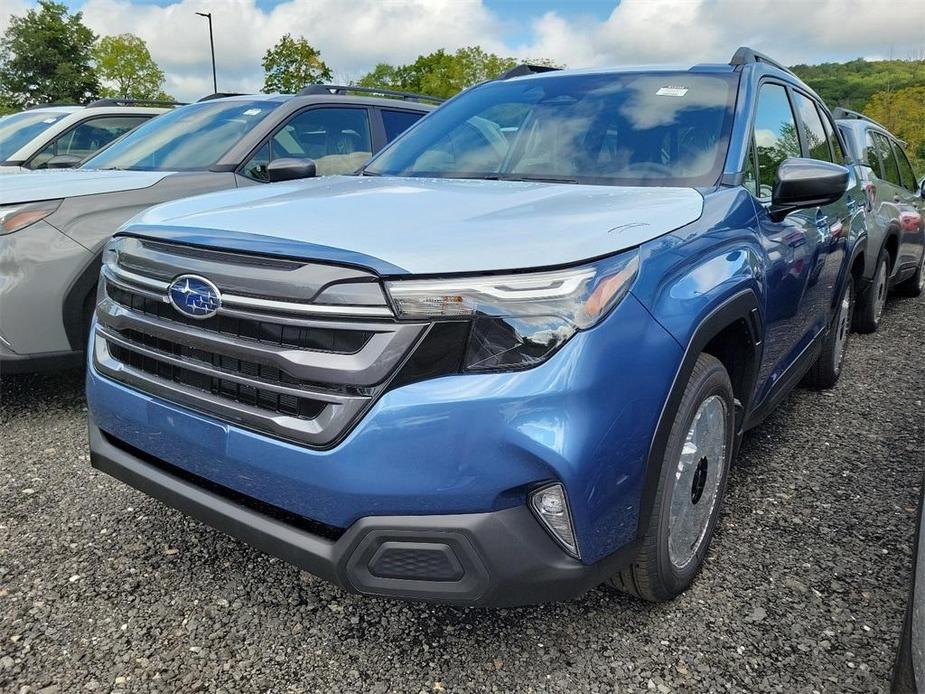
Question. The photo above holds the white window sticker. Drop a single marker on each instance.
(671, 91)
(49, 120)
(252, 112)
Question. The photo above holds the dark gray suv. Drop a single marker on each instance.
(895, 208)
(53, 224)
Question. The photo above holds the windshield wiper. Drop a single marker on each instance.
(529, 178)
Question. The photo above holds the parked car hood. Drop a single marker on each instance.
(70, 183)
(425, 226)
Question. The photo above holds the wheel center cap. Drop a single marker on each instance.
(699, 481)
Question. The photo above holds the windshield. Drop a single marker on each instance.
(655, 129)
(191, 138)
(18, 129)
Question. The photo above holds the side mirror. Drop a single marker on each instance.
(806, 183)
(290, 169)
(63, 161)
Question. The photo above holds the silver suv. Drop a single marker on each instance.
(62, 136)
(53, 224)
(894, 204)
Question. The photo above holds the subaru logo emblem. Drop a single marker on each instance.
(194, 296)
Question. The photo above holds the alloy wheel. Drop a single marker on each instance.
(880, 289)
(698, 477)
(843, 327)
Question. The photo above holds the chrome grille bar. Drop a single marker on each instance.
(134, 282)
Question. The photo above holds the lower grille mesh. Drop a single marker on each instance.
(246, 395)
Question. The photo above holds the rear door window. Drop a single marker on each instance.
(817, 143)
(832, 137)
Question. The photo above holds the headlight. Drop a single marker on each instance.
(519, 320)
(16, 217)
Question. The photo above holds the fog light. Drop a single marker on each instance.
(551, 507)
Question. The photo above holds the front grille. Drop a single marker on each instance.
(278, 370)
(321, 339)
(222, 387)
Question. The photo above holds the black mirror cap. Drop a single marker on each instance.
(63, 161)
(806, 183)
(290, 169)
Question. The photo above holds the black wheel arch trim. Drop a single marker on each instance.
(742, 306)
(72, 314)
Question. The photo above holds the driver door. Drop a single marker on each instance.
(792, 246)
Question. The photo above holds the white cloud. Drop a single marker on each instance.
(353, 35)
(679, 31)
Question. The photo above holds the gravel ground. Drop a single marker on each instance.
(104, 589)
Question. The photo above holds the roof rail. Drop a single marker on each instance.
(132, 102)
(526, 69)
(745, 55)
(842, 113)
(50, 105)
(331, 89)
(219, 95)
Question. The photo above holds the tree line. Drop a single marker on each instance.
(49, 55)
(892, 92)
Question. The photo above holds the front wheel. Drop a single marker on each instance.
(691, 485)
(871, 303)
(827, 369)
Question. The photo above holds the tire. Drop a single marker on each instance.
(870, 304)
(827, 369)
(672, 550)
(915, 285)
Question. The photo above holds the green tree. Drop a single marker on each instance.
(852, 84)
(126, 68)
(902, 112)
(440, 73)
(292, 64)
(46, 56)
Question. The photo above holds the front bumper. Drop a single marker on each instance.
(492, 559)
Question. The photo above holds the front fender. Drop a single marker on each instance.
(685, 275)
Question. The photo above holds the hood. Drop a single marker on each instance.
(71, 183)
(425, 226)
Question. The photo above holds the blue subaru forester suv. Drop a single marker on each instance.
(512, 357)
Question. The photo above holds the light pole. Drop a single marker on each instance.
(208, 15)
